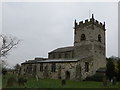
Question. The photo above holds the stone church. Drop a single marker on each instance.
(83, 59)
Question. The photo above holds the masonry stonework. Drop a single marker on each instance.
(83, 59)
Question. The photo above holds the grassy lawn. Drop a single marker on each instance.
(50, 83)
(0, 81)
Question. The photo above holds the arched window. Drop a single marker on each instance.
(53, 67)
(29, 70)
(83, 37)
(34, 68)
(41, 67)
(86, 66)
(99, 38)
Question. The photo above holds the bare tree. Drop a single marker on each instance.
(17, 67)
(4, 67)
(4, 64)
(7, 43)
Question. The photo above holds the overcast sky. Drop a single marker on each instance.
(43, 27)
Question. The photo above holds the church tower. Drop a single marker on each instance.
(89, 41)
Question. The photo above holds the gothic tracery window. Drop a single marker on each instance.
(83, 37)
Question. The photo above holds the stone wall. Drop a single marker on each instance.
(75, 70)
(59, 55)
(60, 71)
(91, 51)
(91, 33)
(91, 46)
(83, 51)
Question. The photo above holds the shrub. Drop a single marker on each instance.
(4, 71)
(22, 81)
(95, 78)
(63, 82)
(11, 81)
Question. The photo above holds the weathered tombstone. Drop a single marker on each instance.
(63, 82)
(105, 81)
(36, 77)
(111, 80)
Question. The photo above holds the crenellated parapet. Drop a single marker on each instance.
(90, 21)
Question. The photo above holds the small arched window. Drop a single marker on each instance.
(41, 67)
(99, 38)
(86, 66)
(83, 37)
(53, 67)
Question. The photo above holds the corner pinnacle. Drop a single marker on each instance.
(92, 16)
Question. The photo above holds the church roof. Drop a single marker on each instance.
(50, 61)
(58, 60)
(63, 49)
(55, 60)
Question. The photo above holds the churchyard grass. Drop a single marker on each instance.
(50, 83)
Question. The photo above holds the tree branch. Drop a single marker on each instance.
(7, 44)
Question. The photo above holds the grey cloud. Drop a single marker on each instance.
(43, 27)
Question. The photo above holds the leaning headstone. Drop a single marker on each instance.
(111, 80)
(105, 81)
(36, 77)
(63, 82)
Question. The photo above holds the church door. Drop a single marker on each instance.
(67, 75)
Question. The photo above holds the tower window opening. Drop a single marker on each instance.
(99, 38)
(83, 37)
(86, 66)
